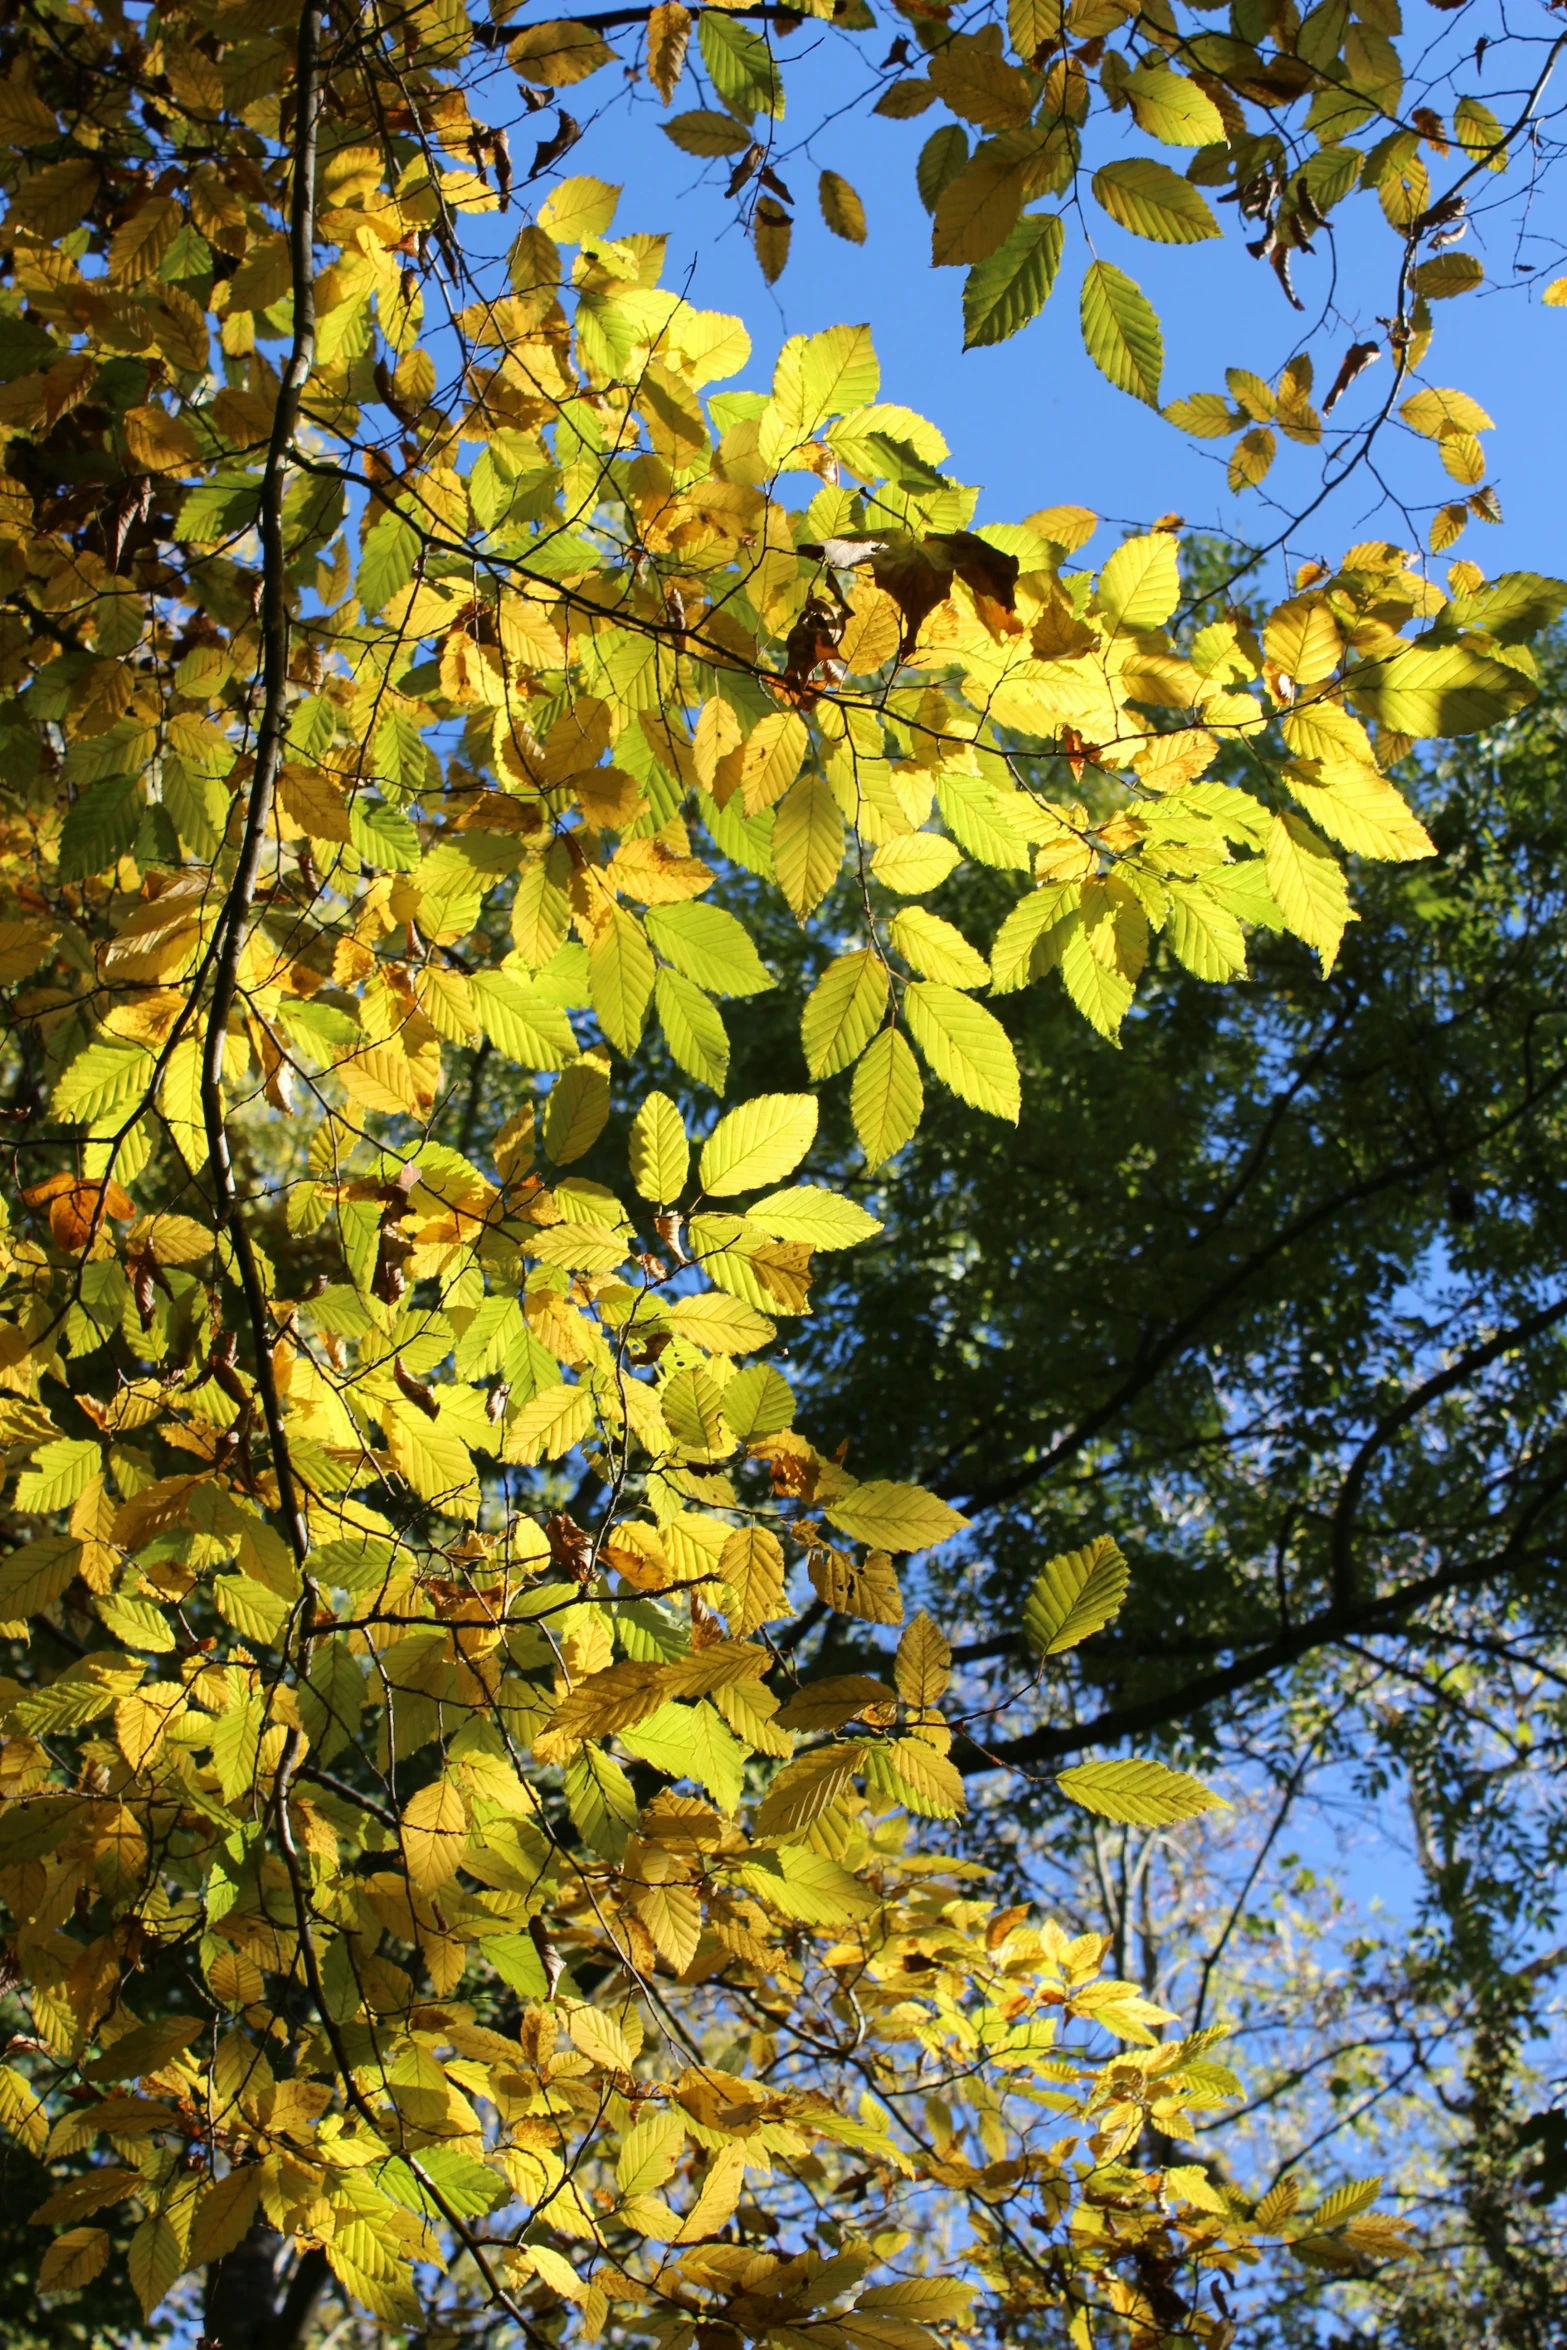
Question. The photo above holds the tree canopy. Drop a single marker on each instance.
(427, 1833)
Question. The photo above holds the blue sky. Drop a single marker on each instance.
(1033, 421)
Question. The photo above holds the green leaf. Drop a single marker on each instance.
(101, 1081)
(702, 132)
(1076, 1594)
(966, 1047)
(1152, 201)
(521, 1022)
(1138, 1794)
(888, 1098)
(740, 66)
(1001, 294)
(35, 1576)
(660, 1153)
(759, 1143)
(1440, 689)
(620, 977)
(843, 1011)
(577, 1111)
(710, 946)
(386, 562)
(383, 836)
(1121, 333)
(693, 1029)
(100, 826)
(59, 1473)
(601, 1800)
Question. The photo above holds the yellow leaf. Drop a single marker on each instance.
(806, 1787)
(604, 1702)
(1140, 585)
(668, 36)
(864, 1588)
(434, 1833)
(844, 1010)
(547, 1427)
(555, 55)
(1139, 1794)
(433, 1459)
(841, 207)
(601, 2039)
(1302, 640)
(159, 442)
(576, 1111)
(924, 1663)
(73, 2260)
(153, 2260)
(966, 1047)
(976, 211)
(1308, 886)
(895, 1517)
(1360, 808)
(751, 1564)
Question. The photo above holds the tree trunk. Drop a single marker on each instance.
(256, 2300)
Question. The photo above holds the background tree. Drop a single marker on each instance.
(1278, 1296)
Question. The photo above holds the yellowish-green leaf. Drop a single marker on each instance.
(1076, 1594)
(841, 207)
(843, 1011)
(1138, 1794)
(577, 1111)
(966, 1047)
(1308, 885)
(1121, 333)
(1154, 202)
(887, 1099)
(1012, 284)
(759, 1143)
(1171, 109)
(660, 1152)
(895, 1517)
(807, 843)
(936, 948)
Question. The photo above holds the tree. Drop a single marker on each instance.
(1263, 1292)
(342, 1794)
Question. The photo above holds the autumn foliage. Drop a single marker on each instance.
(422, 1831)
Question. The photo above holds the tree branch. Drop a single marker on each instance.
(269, 747)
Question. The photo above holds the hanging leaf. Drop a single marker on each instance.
(1120, 332)
(1076, 1594)
(1013, 285)
(841, 207)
